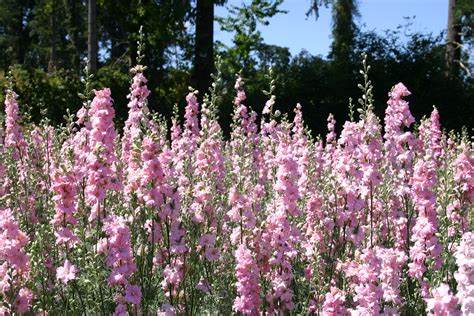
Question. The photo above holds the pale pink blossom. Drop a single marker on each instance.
(248, 300)
(442, 302)
(465, 274)
(67, 272)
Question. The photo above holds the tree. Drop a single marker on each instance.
(92, 46)
(49, 46)
(315, 5)
(459, 36)
(243, 21)
(168, 47)
(344, 30)
(453, 40)
(75, 13)
(204, 45)
(53, 36)
(15, 28)
(344, 62)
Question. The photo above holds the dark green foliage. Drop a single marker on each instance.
(45, 94)
(48, 84)
(318, 84)
(15, 29)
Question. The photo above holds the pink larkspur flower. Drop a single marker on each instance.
(67, 272)
(443, 302)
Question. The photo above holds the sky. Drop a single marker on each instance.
(297, 32)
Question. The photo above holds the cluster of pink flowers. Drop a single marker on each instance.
(334, 302)
(65, 199)
(101, 160)
(132, 130)
(442, 302)
(280, 236)
(67, 272)
(151, 175)
(392, 262)
(464, 175)
(399, 142)
(364, 283)
(248, 288)
(424, 232)
(120, 259)
(375, 218)
(15, 144)
(65, 190)
(13, 136)
(241, 212)
(465, 274)
(14, 266)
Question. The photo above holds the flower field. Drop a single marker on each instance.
(271, 220)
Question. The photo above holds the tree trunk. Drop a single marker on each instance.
(453, 41)
(92, 36)
(204, 45)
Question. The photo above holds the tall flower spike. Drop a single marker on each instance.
(15, 266)
(248, 300)
(101, 162)
(185, 143)
(151, 175)
(399, 152)
(464, 276)
(13, 136)
(191, 121)
(435, 135)
(120, 259)
(65, 191)
(300, 140)
(133, 128)
(398, 117)
(392, 262)
(424, 232)
(464, 173)
(281, 235)
(368, 292)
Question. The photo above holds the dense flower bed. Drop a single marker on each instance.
(376, 220)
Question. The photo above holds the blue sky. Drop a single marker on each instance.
(297, 32)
